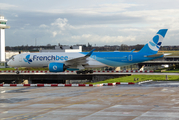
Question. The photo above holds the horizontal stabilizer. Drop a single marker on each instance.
(156, 55)
(165, 54)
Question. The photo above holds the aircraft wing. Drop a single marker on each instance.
(79, 61)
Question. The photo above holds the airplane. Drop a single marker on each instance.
(61, 61)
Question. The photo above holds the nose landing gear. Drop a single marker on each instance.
(17, 72)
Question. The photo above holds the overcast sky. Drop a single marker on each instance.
(100, 22)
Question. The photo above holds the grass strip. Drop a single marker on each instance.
(139, 78)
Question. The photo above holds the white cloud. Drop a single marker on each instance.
(60, 23)
(43, 26)
(101, 22)
(164, 18)
(101, 40)
(88, 26)
(5, 6)
(16, 15)
(94, 10)
(59, 26)
(54, 33)
(130, 30)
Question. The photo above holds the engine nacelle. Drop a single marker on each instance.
(56, 67)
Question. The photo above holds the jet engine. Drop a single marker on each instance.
(56, 67)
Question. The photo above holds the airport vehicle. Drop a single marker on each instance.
(60, 61)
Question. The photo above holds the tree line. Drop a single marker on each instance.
(122, 47)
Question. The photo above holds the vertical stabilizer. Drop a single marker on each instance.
(153, 45)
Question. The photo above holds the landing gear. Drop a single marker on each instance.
(17, 72)
(84, 72)
(91, 71)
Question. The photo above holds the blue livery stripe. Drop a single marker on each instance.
(162, 32)
(153, 45)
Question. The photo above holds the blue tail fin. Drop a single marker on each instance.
(153, 45)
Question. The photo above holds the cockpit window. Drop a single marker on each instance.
(11, 58)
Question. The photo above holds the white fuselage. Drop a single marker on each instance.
(43, 60)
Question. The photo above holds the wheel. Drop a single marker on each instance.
(84, 72)
(91, 71)
(17, 72)
(78, 72)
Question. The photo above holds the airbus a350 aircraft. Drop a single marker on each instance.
(59, 62)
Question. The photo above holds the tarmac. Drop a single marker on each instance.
(148, 101)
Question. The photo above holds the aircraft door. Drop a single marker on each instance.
(130, 57)
(20, 58)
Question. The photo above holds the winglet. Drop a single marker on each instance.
(133, 50)
(89, 54)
